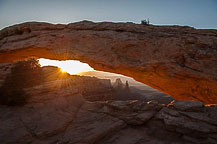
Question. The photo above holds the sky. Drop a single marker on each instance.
(195, 13)
(70, 66)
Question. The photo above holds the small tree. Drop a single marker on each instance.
(27, 73)
(23, 74)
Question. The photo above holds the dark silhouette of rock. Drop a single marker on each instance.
(57, 112)
(61, 115)
(118, 84)
(5, 69)
(127, 86)
(177, 60)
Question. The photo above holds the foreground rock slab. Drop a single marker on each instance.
(69, 119)
(177, 60)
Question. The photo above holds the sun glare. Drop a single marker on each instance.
(69, 66)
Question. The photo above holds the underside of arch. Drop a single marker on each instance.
(177, 60)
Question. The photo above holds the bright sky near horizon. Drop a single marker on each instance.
(196, 13)
(70, 66)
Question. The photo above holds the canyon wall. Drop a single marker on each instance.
(177, 60)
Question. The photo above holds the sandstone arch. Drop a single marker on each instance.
(179, 61)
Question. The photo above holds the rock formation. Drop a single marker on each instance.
(5, 69)
(56, 112)
(177, 60)
(94, 89)
(61, 115)
(118, 84)
(91, 88)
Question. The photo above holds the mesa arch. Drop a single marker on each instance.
(177, 60)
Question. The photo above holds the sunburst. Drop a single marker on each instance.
(69, 66)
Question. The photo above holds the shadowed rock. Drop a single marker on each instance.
(59, 117)
(177, 60)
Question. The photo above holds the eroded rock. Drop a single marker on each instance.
(177, 60)
(5, 69)
(187, 105)
(70, 119)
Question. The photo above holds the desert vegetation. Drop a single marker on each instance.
(145, 22)
(23, 74)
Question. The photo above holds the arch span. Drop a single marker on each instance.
(177, 60)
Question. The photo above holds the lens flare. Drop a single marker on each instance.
(69, 66)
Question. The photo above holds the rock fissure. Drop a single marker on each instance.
(72, 120)
(29, 130)
(130, 118)
(108, 115)
(208, 121)
(110, 122)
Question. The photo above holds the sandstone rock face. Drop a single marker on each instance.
(63, 116)
(5, 69)
(56, 112)
(179, 61)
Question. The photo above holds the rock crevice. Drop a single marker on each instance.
(56, 117)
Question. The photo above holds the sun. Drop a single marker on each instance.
(69, 66)
(62, 70)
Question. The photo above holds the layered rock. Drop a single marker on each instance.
(5, 69)
(177, 60)
(92, 88)
(56, 112)
(63, 116)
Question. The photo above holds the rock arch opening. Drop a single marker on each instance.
(69, 66)
(112, 86)
(179, 61)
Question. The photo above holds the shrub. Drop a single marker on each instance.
(145, 22)
(23, 74)
(27, 73)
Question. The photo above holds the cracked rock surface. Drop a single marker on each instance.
(177, 60)
(55, 117)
